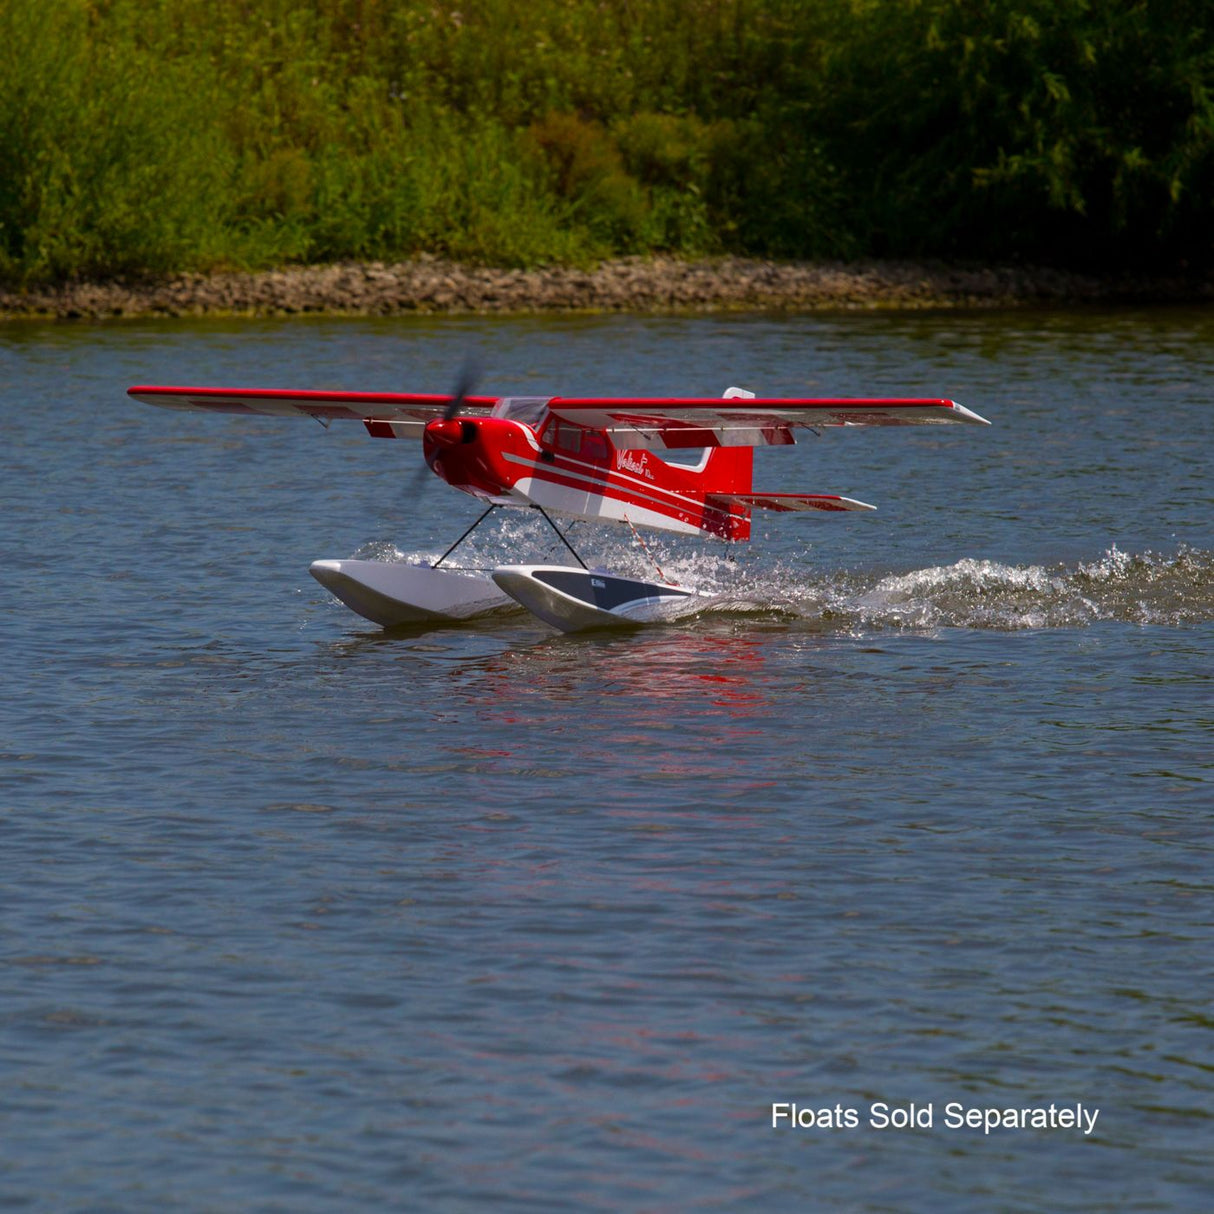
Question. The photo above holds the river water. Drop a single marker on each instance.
(301, 915)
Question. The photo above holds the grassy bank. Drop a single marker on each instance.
(146, 137)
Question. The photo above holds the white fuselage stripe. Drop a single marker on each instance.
(639, 488)
(564, 499)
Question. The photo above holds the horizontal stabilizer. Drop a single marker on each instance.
(795, 501)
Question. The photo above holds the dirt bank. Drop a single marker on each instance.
(630, 285)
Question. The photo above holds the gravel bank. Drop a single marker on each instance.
(629, 285)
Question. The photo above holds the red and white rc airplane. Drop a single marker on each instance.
(592, 458)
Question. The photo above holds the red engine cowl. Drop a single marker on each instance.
(473, 454)
(447, 432)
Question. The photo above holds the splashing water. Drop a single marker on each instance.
(972, 593)
(1145, 588)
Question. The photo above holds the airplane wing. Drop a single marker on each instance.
(673, 423)
(745, 422)
(403, 413)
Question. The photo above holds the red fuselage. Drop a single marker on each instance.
(577, 471)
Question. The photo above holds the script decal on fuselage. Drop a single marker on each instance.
(636, 462)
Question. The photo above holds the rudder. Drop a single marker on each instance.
(727, 471)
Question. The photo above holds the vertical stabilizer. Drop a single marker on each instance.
(727, 471)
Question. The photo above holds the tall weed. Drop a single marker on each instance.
(146, 136)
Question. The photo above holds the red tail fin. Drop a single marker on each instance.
(728, 470)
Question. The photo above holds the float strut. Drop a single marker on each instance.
(464, 537)
(561, 536)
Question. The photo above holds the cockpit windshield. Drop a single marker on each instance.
(529, 410)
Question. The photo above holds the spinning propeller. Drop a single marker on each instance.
(469, 376)
(442, 432)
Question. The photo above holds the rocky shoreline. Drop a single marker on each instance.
(654, 285)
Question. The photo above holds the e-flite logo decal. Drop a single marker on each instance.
(635, 463)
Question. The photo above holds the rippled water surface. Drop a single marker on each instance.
(303, 915)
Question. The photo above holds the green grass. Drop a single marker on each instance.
(149, 136)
